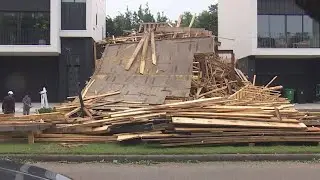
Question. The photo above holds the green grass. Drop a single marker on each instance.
(115, 149)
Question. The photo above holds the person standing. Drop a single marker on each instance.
(26, 105)
(44, 98)
(8, 105)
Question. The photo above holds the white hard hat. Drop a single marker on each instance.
(10, 93)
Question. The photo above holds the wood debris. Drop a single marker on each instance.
(213, 78)
(223, 107)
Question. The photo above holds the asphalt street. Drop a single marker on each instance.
(189, 171)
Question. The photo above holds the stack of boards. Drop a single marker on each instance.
(218, 120)
(224, 107)
(244, 117)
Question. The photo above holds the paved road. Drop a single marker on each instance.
(203, 171)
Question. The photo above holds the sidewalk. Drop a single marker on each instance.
(162, 158)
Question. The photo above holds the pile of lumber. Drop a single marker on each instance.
(251, 115)
(163, 88)
(213, 77)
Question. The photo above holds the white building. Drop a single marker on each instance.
(275, 38)
(48, 43)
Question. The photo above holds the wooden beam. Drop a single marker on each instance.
(179, 20)
(144, 54)
(102, 95)
(31, 137)
(254, 80)
(278, 114)
(86, 89)
(153, 48)
(135, 53)
(72, 112)
(237, 123)
(192, 20)
(273, 79)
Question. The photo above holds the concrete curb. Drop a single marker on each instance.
(164, 158)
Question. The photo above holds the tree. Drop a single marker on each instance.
(147, 16)
(110, 27)
(186, 19)
(209, 19)
(119, 24)
(131, 20)
(161, 17)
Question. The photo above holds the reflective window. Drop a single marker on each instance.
(24, 28)
(294, 25)
(263, 26)
(277, 25)
(288, 31)
(294, 31)
(307, 25)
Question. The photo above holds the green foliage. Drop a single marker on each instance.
(161, 17)
(186, 19)
(129, 21)
(46, 110)
(209, 19)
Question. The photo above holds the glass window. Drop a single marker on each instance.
(294, 31)
(263, 26)
(307, 25)
(24, 28)
(294, 25)
(73, 15)
(277, 25)
(277, 31)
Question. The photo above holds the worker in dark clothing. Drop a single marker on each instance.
(26, 105)
(8, 104)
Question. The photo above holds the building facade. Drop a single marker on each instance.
(275, 38)
(48, 43)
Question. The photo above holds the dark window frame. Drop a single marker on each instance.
(70, 15)
(285, 24)
(21, 33)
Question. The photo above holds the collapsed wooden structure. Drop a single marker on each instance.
(160, 85)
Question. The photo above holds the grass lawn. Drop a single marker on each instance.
(115, 149)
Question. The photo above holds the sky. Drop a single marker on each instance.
(172, 8)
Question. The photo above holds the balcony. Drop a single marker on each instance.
(14, 36)
(281, 40)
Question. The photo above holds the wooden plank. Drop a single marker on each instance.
(102, 95)
(226, 122)
(226, 114)
(272, 80)
(208, 101)
(278, 114)
(144, 54)
(192, 20)
(87, 112)
(85, 91)
(149, 115)
(254, 80)
(31, 138)
(136, 52)
(129, 114)
(179, 20)
(153, 48)
(72, 112)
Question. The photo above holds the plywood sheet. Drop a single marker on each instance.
(170, 77)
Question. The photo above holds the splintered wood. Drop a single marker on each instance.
(251, 115)
(222, 107)
(212, 77)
